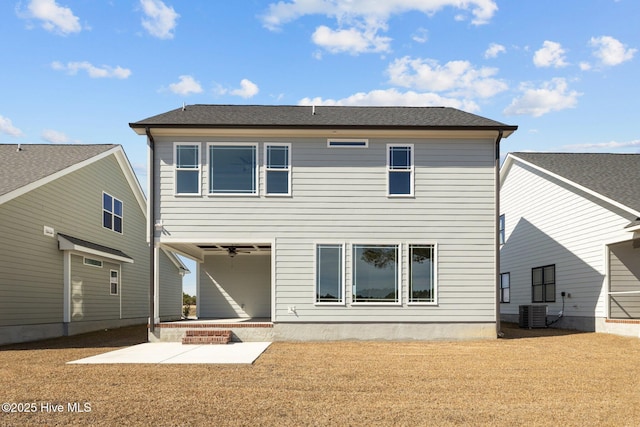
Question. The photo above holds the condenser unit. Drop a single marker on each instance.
(533, 316)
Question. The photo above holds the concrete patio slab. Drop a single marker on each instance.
(178, 353)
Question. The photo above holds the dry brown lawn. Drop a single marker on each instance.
(539, 377)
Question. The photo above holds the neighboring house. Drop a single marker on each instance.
(333, 222)
(571, 234)
(74, 255)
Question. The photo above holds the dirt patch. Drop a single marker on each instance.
(538, 377)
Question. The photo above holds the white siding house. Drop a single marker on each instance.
(73, 253)
(571, 239)
(332, 222)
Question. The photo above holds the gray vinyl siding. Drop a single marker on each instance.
(170, 288)
(31, 266)
(548, 222)
(624, 270)
(91, 297)
(339, 195)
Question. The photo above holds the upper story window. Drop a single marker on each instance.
(400, 170)
(278, 169)
(501, 229)
(233, 169)
(187, 173)
(111, 213)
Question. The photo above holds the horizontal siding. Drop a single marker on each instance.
(31, 266)
(624, 267)
(170, 288)
(341, 195)
(547, 222)
(91, 297)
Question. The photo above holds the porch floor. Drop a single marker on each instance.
(235, 322)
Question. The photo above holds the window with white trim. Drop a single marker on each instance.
(278, 169)
(505, 287)
(233, 169)
(501, 234)
(92, 262)
(400, 170)
(422, 274)
(329, 274)
(111, 213)
(187, 168)
(376, 274)
(114, 282)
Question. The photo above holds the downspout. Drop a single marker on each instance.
(499, 332)
(151, 220)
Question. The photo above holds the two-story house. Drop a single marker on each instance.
(74, 255)
(332, 222)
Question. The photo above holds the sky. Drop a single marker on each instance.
(565, 72)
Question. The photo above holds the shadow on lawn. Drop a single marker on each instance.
(512, 331)
(120, 337)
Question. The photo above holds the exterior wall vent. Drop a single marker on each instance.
(533, 316)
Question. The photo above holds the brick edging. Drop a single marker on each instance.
(624, 321)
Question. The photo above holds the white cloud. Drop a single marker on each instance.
(247, 89)
(585, 66)
(551, 96)
(392, 97)
(421, 35)
(610, 51)
(186, 86)
(350, 40)
(94, 72)
(6, 126)
(603, 146)
(457, 78)
(551, 54)
(360, 21)
(160, 20)
(55, 137)
(494, 50)
(55, 18)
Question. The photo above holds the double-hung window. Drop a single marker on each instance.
(422, 274)
(505, 287)
(278, 169)
(233, 169)
(543, 284)
(501, 234)
(113, 282)
(187, 173)
(111, 213)
(329, 274)
(376, 277)
(400, 170)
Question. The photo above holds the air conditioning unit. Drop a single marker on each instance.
(533, 316)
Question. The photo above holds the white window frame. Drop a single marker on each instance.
(268, 169)
(501, 227)
(176, 168)
(347, 143)
(435, 273)
(410, 170)
(399, 254)
(256, 192)
(92, 262)
(112, 213)
(114, 282)
(343, 271)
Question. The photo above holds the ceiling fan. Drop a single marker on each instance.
(233, 251)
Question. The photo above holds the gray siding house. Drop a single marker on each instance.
(74, 255)
(571, 235)
(332, 222)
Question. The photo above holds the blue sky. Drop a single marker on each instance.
(566, 72)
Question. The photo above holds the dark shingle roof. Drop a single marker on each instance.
(96, 247)
(36, 161)
(615, 176)
(283, 116)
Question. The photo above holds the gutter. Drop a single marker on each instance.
(151, 219)
(499, 332)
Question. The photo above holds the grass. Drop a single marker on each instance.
(538, 377)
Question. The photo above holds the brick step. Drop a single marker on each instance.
(209, 336)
